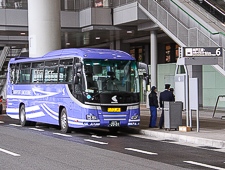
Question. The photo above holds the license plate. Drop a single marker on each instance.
(114, 109)
(114, 123)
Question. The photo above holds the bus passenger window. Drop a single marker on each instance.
(25, 72)
(17, 78)
(61, 74)
(12, 74)
(37, 72)
(25, 76)
(37, 75)
(51, 75)
(69, 74)
(65, 74)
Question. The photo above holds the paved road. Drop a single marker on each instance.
(44, 147)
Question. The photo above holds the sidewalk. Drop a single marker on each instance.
(211, 130)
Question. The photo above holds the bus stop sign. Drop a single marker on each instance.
(203, 52)
(199, 55)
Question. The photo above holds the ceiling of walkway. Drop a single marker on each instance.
(17, 36)
(77, 38)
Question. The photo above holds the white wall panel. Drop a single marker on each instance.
(70, 19)
(126, 13)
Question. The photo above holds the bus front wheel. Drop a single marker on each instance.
(64, 121)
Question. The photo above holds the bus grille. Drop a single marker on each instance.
(109, 117)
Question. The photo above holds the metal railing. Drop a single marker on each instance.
(212, 7)
(185, 29)
(220, 97)
(14, 52)
(190, 33)
(3, 55)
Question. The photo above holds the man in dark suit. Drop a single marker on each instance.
(166, 95)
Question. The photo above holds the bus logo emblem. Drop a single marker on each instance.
(114, 100)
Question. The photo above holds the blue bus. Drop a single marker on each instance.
(75, 88)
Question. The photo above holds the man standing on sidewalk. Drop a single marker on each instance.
(153, 104)
(166, 95)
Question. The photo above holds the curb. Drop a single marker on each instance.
(187, 139)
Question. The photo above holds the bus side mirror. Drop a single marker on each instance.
(76, 80)
(146, 77)
(78, 67)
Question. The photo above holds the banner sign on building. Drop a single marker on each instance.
(203, 52)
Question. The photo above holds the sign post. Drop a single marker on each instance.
(195, 56)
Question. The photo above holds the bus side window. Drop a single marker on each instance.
(51, 71)
(17, 78)
(25, 72)
(25, 76)
(69, 74)
(65, 70)
(12, 73)
(62, 74)
(37, 72)
(51, 75)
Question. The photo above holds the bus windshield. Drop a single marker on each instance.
(111, 75)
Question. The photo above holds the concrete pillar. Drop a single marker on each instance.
(44, 26)
(118, 45)
(153, 58)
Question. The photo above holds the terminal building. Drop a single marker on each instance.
(152, 31)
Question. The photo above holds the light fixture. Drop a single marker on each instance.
(97, 38)
(129, 32)
(22, 33)
(67, 43)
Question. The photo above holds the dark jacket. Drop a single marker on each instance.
(166, 95)
(153, 99)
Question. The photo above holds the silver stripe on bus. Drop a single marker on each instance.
(27, 109)
(133, 107)
(13, 116)
(32, 108)
(114, 119)
(30, 97)
(12, 110)
(35, 115)
(84, 120)
(50, 110)
(114, 115)
(82, 123)
(51, 115)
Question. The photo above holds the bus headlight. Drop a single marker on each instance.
(91, 117)
(135, 117)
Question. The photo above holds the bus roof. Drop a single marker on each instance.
(85, 53)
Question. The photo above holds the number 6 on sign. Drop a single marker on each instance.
(218, 52)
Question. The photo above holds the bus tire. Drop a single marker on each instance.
(64, 122)
(22, 116)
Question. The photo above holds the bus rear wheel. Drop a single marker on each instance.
(64, 122)
(23, 119)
